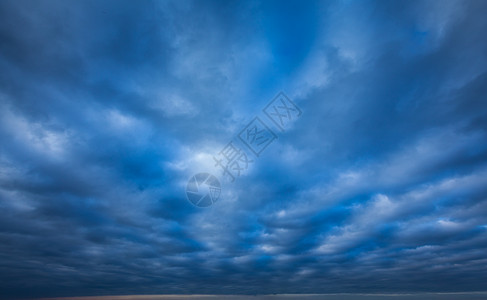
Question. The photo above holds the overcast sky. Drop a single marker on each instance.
(107, 108)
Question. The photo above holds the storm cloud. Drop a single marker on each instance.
(107, 108)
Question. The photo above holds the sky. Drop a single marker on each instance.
(108, 108)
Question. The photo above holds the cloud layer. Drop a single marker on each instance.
(107, 108)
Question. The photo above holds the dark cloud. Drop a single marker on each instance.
(107, 108)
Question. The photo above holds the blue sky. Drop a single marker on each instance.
(107, 108)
